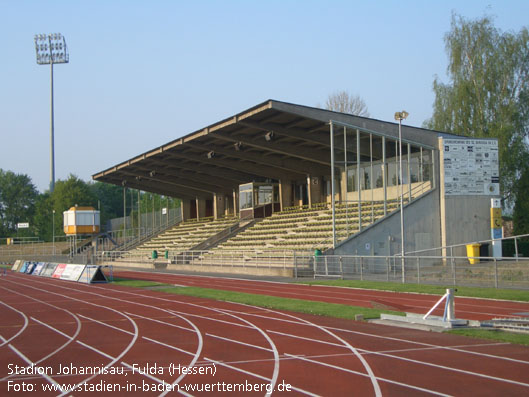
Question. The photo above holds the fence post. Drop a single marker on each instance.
(418, 270)
(387, 268)
(495, 273)
(452, 261)
(326, 266)
(341, 267)
(516, 248)
(314, 265)
(361, 268)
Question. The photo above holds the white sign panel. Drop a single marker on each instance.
(471, 167)
(23, 225)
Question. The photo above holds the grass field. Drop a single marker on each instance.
(270, 302)
(328, 309)
(476, 292)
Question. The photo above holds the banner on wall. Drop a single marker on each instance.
(471, 167)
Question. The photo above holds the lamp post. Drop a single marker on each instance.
(53, 229)
(401, 116)
(51, 49)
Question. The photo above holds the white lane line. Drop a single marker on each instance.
(364, 351)
(367, 367)
(195, 358)
(70, 338)
(365, 375)
(452, 348)
(123, 352)
(176, 301)
(275, 373)
(161, 322)
(305, 338)
(5, 341)
(30, 363)
(264, 378)
(238, 342)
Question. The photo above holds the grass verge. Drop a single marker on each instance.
(269, 302)
(496, 335)
(309, 307)
(475, 292)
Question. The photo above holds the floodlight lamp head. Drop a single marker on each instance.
(211, 154)
(401, 115)
(269, 136)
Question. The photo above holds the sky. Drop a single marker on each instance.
(143, 73)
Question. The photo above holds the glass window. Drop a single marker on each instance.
(245, 200)
(265, 195)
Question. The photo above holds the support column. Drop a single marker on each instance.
(235, 204)
(285, 193)
(197, 207)
(215, 207)
(309, 191)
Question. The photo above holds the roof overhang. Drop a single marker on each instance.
(271, 141)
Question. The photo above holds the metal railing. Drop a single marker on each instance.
(225, 258)
(504, 272)
(449, 249)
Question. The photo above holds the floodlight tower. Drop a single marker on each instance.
(399, 116)
(51, 49)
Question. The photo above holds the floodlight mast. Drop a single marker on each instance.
(51, 49)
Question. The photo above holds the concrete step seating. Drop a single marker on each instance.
(302, 228)
(186, 235)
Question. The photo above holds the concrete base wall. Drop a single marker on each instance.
(256, 271)
(422, 230)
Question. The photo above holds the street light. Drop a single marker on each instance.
(51, 49)
(401, 116)
(53, 229)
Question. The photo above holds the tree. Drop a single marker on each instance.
(520, 215)
(342, 101)
(488, 93)
(110, 200)
(66, 194)
(17, 202)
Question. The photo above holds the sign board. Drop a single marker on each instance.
(23, 225)
(48, 270)
(92, 274)
(72, 272)
(471, 167)
(58, 270)
(38, 268)
(164, 211)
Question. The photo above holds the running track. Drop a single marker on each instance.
(49, 322)
(466, 308)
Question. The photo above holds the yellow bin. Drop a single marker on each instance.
(473, 251)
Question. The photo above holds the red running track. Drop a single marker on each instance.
(466, 308)
(58, 324)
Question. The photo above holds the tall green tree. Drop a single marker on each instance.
(110, 200)
(520, 214)
(17, 202)
(488, 93)
(67, 193)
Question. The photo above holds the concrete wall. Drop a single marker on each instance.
(422, 229)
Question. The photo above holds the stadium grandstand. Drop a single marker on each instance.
(281, 177)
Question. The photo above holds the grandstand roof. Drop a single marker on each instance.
(271, 140)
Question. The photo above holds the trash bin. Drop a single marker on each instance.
(484, 251)
(166, 254)
(473, 251)
(317, 252)
(154, 254)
